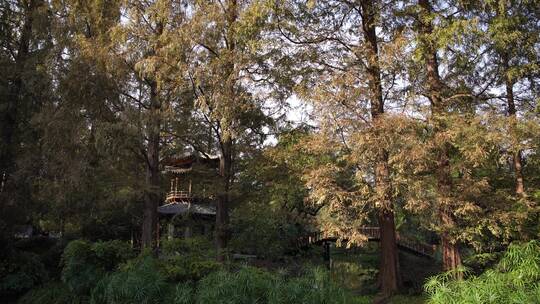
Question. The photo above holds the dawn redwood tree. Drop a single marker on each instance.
(142, 33)
(135, 56)
(230, 77)
(451, 69)
(512, 37)
(18, 36)
(348, 80)
(436, 92)
(389, 265)
(26, 49)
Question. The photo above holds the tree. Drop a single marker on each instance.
(25, 52)
(437, 94)
(512, 34)
(137, 55)
(351, 82)
(225, 73)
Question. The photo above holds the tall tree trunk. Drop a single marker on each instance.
(389, 280)
(450, 250)
(151, 195)
(10, 116)
(511, 105)
(226, 140)
(222, 214)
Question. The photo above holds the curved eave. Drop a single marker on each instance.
(184, 207)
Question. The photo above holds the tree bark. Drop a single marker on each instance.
(226, 140)
(151, 195)
(450, 250)
(451, 255)
(389, 279)
(222, 214)
(516, 153)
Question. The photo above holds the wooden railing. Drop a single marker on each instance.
(173, 196)
(373, 234)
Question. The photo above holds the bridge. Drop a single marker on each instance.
(374, 234)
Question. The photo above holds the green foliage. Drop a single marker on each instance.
(251, 285)
(315, 287)
(51, 293)
(515, 279)
(138, 281)
(184, 294)
(272, 194)
(19, 272)
(353, 275)
(481, 261)
(263, 232)
(184, 268)
(188, 259)
(201, 246)
(84, 263)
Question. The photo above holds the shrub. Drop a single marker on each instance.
(51, 293)
(199, 246)
(263, 232)
(515, 279)
(138, 281)
(247, 286)
(19, 272)
(315, 287)
(184, 294)
(187, 268)
(254, 286)
(188, 259)
(84, 263)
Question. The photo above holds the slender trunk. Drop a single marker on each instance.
(10, 116)
(151, 195)
(516, 153)
(389, 280)
(226, 140)
(222, 214)
(450, 250)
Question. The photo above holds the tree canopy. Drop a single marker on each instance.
(421, 117)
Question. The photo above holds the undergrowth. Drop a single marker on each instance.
(515, 279)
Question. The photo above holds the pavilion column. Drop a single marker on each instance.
(170, 230)
(187, 231)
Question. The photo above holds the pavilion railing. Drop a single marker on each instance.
(177, 195)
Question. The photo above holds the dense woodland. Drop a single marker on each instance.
(421, 118)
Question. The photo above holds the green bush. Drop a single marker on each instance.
(188, 259)
(515, 279)
(84, 263)
(137, 281)
(185, 268)
(184, 294)
(263, 232)
(200, 246)
(20, 271)
(51, 293)
(247, 286)
(255, 286)
(315, 287)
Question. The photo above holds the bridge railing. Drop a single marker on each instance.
(372, 233)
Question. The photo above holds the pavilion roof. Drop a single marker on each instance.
(184, 163)
(185, 207)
